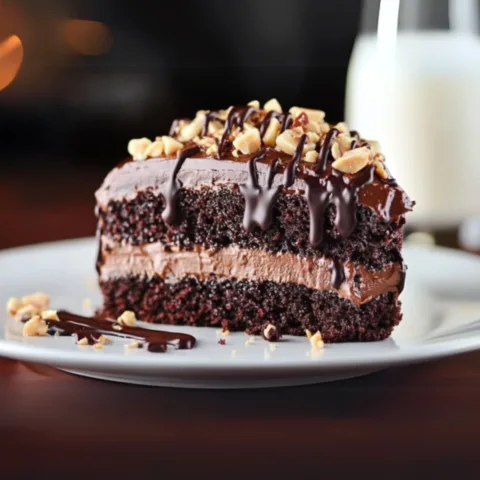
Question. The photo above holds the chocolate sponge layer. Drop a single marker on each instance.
(249, 305)
(213, 218)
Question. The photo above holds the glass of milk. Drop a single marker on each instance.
(414, 84)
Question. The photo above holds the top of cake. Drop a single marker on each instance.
(262, 151)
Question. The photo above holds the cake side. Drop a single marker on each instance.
(315, 222)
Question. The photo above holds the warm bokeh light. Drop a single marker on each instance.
(11, 57)
(87, 37)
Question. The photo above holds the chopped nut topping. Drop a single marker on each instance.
(311, 157)
(35, 327)
(137, 147)
(127, 319)
(316, 341)
(248, 142)
(50, 315)
(13, 305)
(83, 341)
(287, 142)
(98, 346)
(342, 127)
(314, 127)
(353, 161)
(308, 333)
(273, 106)
(133, 344)
(155, 149)
(271, 133)
(315, 115)
(193, 129)
(374, 146)
(380, 169)
(341, 145)
(171, 145)
(254, 104)
(312, 137)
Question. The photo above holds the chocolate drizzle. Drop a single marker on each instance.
(338, 274)
(237, 116)
(339, 190)
(289, 175)
(170, 214)
(321, 164)
(208, 118)
(285, 120)
(92, 328)
(259, 200)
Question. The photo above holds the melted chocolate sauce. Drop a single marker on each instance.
(208, 118)
(289, 175)
(339, 190)
(237, 116)
(171, 214)
(92, 328)
(259, 200)
(321, 164)
(285, 120)
(338, 274)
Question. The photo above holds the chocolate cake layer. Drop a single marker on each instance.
(248, 305)
(213, 219)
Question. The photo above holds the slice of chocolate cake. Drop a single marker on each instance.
(252, 216)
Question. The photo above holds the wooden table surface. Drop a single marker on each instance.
(420, 421)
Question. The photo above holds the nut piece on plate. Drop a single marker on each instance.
(127, 319)
(38, 299)
(271, 333)
(171, 145)
(133, 344)
(353, 161)
(26, 312)
(83, 341)
(13, 305)
(315, 115)
(137, 147)
(316, 341)
(36, 326)
(103, 340)
(248, 142)
(155, 149)
(271, 133)
(273, 106)
(49, 315)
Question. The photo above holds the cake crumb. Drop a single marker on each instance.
(127, 319)
(83, 341)
(222, 341)
(271, 333)
(133, 344)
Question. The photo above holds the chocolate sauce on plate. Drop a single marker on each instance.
(92, 328)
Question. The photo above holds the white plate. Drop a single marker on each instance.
(441, 303)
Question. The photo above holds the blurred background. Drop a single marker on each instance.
(79, 78)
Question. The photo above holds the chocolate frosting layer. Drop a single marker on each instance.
(386, 199)
(351, 281)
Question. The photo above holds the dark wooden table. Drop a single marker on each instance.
(414, 422)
